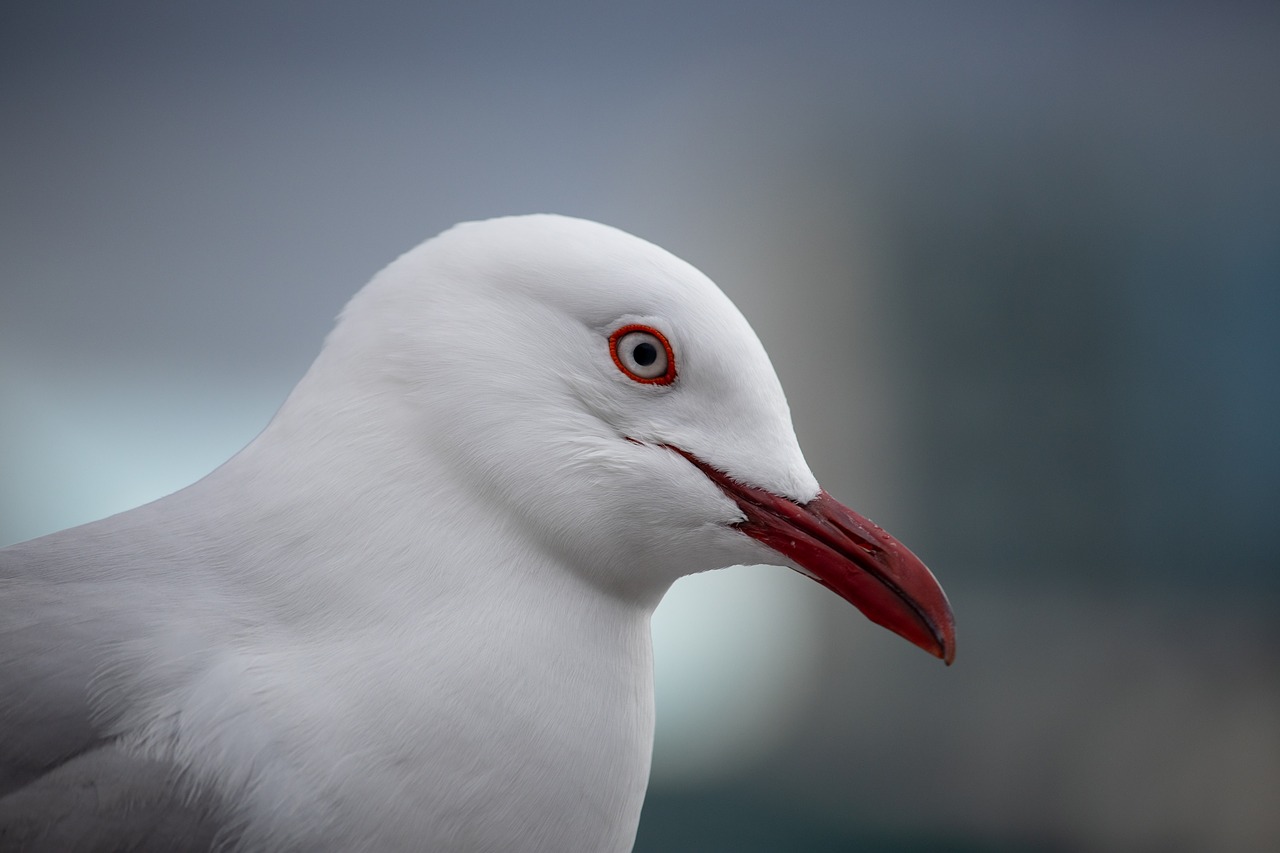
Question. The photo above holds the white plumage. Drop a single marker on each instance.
(414, 612)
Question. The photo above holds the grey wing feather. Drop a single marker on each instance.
(109, 800)
(46, 664)
(63, 785)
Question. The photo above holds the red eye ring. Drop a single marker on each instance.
(633, 340)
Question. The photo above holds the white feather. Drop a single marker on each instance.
(414, 612)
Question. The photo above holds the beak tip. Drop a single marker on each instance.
(939, 632)
(942, 648)
(947, 640)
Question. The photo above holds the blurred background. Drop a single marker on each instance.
(1018, 266)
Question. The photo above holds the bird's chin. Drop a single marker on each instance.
(848, 554)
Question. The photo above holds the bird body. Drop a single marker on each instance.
(414, 612)
(295, 705)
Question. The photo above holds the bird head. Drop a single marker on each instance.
(619, 408)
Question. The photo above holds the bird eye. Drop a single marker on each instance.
(643, 354)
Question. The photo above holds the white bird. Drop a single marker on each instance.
(413, 613)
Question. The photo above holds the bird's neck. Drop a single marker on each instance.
(380, 581)
(327, 515)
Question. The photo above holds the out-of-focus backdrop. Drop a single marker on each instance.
(1018, 266)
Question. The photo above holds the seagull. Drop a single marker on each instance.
(414, 612)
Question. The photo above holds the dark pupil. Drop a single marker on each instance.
(645, 354)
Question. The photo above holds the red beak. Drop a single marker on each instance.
(852, 557)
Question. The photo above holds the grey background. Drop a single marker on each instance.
(1018, 266)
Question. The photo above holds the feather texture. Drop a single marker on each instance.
(414, 612)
